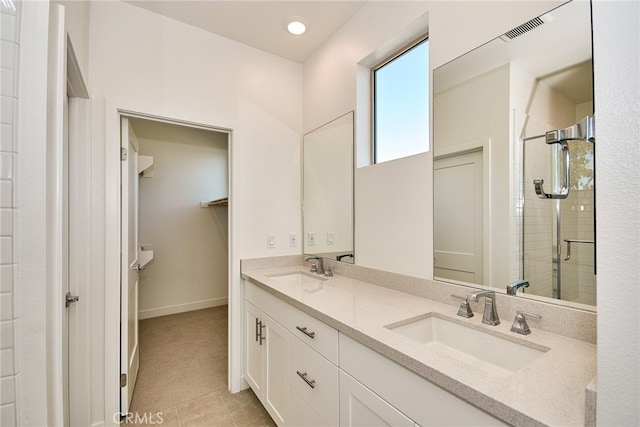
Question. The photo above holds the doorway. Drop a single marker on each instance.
(175, 280)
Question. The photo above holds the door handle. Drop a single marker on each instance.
(70, 299)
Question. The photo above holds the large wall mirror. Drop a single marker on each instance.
(328, 190)
(510, 203)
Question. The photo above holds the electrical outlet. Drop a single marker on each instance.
(271, 240)
(293, 240)
(312, 238)
(330, 238)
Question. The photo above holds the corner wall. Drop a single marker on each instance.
(616, 27)
(146, 63)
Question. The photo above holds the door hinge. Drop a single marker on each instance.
(70, 299)
(123, 154)
(123, 380)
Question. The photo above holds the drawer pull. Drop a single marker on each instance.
(257, 329)
(303, 375)
(304, 331)
(262, 338)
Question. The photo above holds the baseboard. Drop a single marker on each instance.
(181, 308)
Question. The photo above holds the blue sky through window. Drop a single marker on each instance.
(402, 105)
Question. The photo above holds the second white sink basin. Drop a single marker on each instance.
(307, 280)
(468, 344)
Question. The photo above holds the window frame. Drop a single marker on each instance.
(414, 43)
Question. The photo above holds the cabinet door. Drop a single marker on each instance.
(276, 360)
(252, 348)
(359, 406)
(303, 415)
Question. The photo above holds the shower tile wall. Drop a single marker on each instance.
(10, 15)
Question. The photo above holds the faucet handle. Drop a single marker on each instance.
(328, 271)
(464, 310)
(520, 325)
(314, 268)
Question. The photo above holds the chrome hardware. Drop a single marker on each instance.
(563, 191)
(138, 268)
(339, 257)
(303, 375)
(328, 272)
(490, 315)
(520, 325)
(257, 329)
(512, 289)
(319, 268)
(464, 310)
(70, 299)
(262, 338)
(570, 241)
(307, 333)
(584, 130)
(123, 380)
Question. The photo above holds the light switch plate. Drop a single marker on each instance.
(271, 240)
(312, 238)
(330, 238)
(293, 239)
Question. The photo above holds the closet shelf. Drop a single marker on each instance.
(218, 202)
(144, 258)
(145, 165)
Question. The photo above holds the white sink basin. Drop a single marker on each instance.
(308, 281)
(467, 344)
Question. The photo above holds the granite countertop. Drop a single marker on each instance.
(550, 390)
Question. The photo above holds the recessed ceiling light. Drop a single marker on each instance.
(296, 25)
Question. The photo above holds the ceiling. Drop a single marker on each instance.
(261, 24)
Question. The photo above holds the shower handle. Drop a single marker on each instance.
(564, 183)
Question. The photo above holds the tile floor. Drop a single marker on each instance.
(182, 381)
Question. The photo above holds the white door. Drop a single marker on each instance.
(458, 217)
(129, 273)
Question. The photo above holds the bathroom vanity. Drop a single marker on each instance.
(347, 352)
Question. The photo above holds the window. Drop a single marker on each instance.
(401, 105)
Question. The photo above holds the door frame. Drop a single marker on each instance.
(114, 110)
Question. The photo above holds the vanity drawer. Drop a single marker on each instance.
(267, 303)
(313, 332)
(315, 379)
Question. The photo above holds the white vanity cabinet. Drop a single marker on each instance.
(305, 373)
(313, 374)
(267, 353)
(424, 402)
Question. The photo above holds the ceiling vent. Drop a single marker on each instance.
(520, 30)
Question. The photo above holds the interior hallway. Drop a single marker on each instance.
(183, 374)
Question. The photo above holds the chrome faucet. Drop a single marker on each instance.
(490, 315)
(512, 289)
(316, 268)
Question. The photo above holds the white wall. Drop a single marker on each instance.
(190, 268)
(77, 26)
(147, 63)
(330, 89)
(617, 106)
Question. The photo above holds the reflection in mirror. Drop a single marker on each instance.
(328, 190)
(494, 112)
